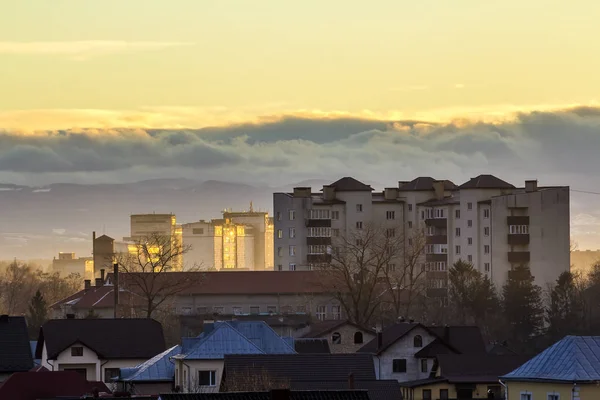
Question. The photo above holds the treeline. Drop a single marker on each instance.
(26, 290)
(525, 316)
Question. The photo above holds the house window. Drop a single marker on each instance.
(410, 207)
(469, 241)
(390, 214)
(457, 249)
(321, 313)
(292, 214)
(426, 394)
(457, 214)
(470, 258)
(358, 337)
(272, 309)
(336, 312)
(486, 213)
(470, 223)
(279, 251)
(443, 394)
(410, 224)
(77, 351)
(358, 224)
(418, 341)
(553, 396)
(469, 206)
(236, 310)
(359, 208)
(487, 267)
(110, 373)
(292, 233)
(207, 378)
(486, 249)
(335, 215)
(390, 233)
(424, 365)
(292, 250)
(254, 310)
(278, 216)
(336, 338)
(526, 396)
(279, 234)
(486, 231)
(457, 231)
(399, 365)
(292, 266)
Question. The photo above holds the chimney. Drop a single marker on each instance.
(116, 288)
(302, 192)
(280, 394)
(351, 381)
(94, 252)
(531, 186)
(438, 187)
(87, 284)
(99, 282)
(102, 275)
(379, 340)
(328, 192)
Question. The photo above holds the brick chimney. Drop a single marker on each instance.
(102, 276)
(99, 282)
(87, 284)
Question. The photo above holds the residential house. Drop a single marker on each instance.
(567, 370)
(200, 364)
(408, 351)
(342, 335)
(47, 385)
(97, 348)
(306, 372)
(150, 377)
(275, 394)
(15, 350)
(463, 376)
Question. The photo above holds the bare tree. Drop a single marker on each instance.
(18, 285)
(253, 380)
(151, 271)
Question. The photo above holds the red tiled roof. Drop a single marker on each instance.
(39, 385)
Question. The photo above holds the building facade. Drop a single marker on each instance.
(68, 263)
(486, 221)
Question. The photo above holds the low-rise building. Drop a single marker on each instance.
(97, 348)
(342, 335)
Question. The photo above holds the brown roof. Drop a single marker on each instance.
(486, 182)
(36, 385)
(348, 184)
(96, 297)
(470, 368)
(424, 183)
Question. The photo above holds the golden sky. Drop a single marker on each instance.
(176, 63)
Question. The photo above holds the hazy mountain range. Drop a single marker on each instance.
(38, 222)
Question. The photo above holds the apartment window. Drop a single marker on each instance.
(430, 231)
(254, 310)
(486, 249)
(457, 249)
(186, 310)
(426, 394)
(470, 223)
(469, 206)
(423, 214)
(470, 258)
(519, 229)
(336, 312)
(279, 251)
(279, 267)
(487, 267)
(77, 351)
(359, 208)
(279, 234)
(292, 233)
(319, 214)
(424, 365)
(486, 231)
(321, 313)
(553, 396)
(336, 232)
(292, 250)
(526, 396)
(218, 310)
(439, 213)
(317, 249)
(469, 241)
(292, 214)
(390, 233)
(335, 215)
(272, 309)
(457, 214)
(457, 231)
(390, 214)
(201, 310)
(359, 242)
(443, 394)
(292, 266)
(359, 225)
(278, 216)
(486, 213)
(391, 267)
(410, 207)
(410, 241)
(409, 224)
(110, 373)
(399, 365)
(236, 310)
(198, 231)
(207, 378)
(319, 232)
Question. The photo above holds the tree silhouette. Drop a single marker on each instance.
(38, 314)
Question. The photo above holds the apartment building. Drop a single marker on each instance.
(238, 241)
(68, 263)
(486, 221)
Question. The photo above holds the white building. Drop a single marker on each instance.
(486, 221)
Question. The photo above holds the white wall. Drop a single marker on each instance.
(186, 374)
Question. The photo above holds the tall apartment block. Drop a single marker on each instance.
(485, 221)
(240, 241)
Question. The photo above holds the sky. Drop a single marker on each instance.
(272, 91)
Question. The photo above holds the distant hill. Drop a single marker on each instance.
(38, 222)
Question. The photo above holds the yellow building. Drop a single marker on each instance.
(567, 370)
(463, 376)
(67, 264)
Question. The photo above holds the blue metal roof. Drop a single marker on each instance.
(572, 359)
(263, 336)
(158, 368)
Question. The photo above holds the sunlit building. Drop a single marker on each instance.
(68, 263)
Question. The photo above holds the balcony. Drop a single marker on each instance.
(436, 239)
(437, 292)
(437, 222)
(318, 223)
(517, 220)
(518, 239)
(436, 274)
(318, 240)
(436, 257)
(518, 256)
(318, 258)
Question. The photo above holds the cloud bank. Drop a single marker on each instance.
(558, 148)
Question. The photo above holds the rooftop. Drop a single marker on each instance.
(486, 182)
(15, 349)
(349, 184)
(158, 368)
(424, 183)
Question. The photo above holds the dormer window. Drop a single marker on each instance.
(418, 341)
